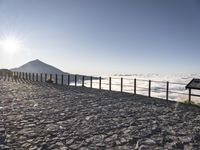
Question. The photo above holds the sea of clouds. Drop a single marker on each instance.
(177, 83)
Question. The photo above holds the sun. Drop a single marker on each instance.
(10, 45)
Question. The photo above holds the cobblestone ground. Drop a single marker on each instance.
(39, 116)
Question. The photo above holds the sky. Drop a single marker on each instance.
(102, 36)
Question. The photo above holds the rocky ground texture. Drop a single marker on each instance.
(40, 116)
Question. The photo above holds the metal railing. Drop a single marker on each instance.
(108, 83)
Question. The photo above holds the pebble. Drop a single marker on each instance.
(2, 130)
(47, 116)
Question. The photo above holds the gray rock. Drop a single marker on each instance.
(143, 147)
(2, 130)
(149, 142)
(83, 118)
(69, 141)
(4, 147)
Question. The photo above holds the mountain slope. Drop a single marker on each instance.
(37, 66)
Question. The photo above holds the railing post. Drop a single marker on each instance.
(167, 91)
(26, 76)
(100, 83)
(121, 84)
(23, 75)
(91, 82)
(51, 77)
(41, 77)
(20, 75)
(134, 86)
(68, 78)
(83, 80)
(62, 79)
(75, 76)
(33, 76)
(37, 77)
(110, 83)
(8, 76)
(45, 78)
(149, 88)
(56, 79)
(189, 100)
(11, 75)
(29, 76)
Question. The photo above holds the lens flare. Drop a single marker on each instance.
(10, 45)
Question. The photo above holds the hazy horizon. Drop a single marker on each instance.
(102, 37)
(194, 74)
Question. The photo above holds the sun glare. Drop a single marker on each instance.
(10, 45)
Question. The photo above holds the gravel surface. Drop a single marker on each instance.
(40, 116)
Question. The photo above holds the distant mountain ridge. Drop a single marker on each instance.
(5, 71)
(37, 66)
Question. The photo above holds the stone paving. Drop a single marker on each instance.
(40, 116)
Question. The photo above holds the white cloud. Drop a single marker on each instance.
(177, 83)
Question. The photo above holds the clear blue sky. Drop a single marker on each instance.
(104, 36)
